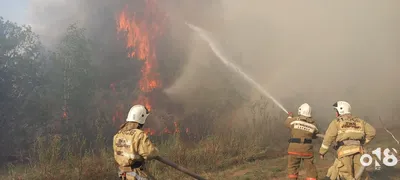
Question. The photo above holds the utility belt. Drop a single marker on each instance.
(347, 143)
(136, 165)
(299, 141)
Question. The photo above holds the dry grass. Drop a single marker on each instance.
(55, 157)
(246, 152)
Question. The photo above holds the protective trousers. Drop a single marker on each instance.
(333, 172)
(294, 162)
(349, 166)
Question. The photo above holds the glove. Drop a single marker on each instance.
(321, 156)
(335, 147)
(290, 114)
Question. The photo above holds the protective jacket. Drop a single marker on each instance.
(303, 130)
(346, 131)
(131, 148)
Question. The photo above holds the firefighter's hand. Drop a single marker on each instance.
(321, 156)
(290, 114)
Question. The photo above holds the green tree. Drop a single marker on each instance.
(71, 80)
(20, 82)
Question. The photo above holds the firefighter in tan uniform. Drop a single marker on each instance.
(132, 146)
(303, 130)
(350, 134)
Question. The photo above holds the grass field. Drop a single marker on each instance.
(234, 154)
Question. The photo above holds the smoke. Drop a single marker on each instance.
(317, 52)
(50, 18)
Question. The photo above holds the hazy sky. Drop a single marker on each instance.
(14, 10)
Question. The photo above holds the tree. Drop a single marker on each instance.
(20, 82)
(70, 80)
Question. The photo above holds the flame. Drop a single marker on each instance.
(65, 114)
(167, 131)
(177, 130)
(142, 31)
(149, 131)
(144, 101)
(152, 132)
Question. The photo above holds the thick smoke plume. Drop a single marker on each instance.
(315, 51)
(318, 52)
(321, 52)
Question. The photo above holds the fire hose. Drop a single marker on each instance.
(179, 168)
(196, 176)
(359, 173)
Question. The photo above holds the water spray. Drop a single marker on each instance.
(221, 57)
(204, 35)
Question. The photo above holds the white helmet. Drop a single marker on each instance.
(342, 107)
(138, 113)
(305, 110)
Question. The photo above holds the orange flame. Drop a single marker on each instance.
(65, 114)
(144, 101)
(141, 33)
(167, 131)
(177, 130)
(149, 131)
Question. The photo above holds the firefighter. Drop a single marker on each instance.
(132, 146)
(350, 134)
(303, 130)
